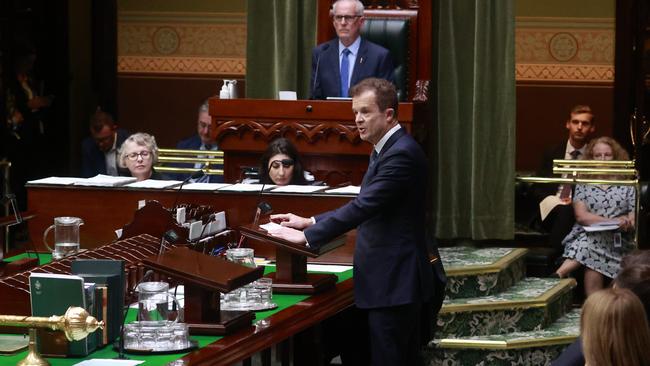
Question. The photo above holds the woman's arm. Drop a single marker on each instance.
(586, 218)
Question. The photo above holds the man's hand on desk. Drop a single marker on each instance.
(289, 234)
(292, 221)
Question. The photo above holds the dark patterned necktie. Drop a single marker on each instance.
(373, 158)
(575, 154)
(566, 189)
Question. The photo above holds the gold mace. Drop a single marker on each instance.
(76, 323)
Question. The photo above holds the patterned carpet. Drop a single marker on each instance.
(493, 315)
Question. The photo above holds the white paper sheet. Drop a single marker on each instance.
(331, 268)
(108, 362)
(155, 184)
(298, 189)
(602, 226)
(205, 186)
(548, 204)
(239, 187)
(345, 190)
(65, 181)
(101, 180)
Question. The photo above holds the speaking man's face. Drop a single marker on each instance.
(372, 123)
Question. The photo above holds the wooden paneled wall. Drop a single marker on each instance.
(542, 110)
(171, 60)
(561, 62)
(165, 106)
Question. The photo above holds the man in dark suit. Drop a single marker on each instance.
(344, 61)
(201, 141)
(393, 278)
(561, 218)
(99, 151)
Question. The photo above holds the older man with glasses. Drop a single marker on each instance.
(341, 62)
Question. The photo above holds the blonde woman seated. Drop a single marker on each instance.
(139, 153)
(614, 329)
(600, 252)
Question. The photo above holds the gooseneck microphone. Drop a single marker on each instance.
(260, 208)
(120, 355)
(170, 237)
(326, 46)
(196, 175)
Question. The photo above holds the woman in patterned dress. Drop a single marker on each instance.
(600, 252)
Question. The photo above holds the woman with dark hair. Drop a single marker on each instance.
(281, 164)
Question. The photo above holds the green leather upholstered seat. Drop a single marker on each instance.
(392, 33)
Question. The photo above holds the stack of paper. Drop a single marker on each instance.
(240, 187)
(155, 184)
(299, 189)
(101, 180)
(602, 226)
(345, 190)
(64, 181)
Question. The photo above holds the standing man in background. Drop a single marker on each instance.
(393, 278)
(342, 62)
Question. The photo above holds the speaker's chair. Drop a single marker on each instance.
(392, 34)
(404, 28)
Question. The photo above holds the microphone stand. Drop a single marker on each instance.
(11, 198)
(170, 237)
(195, 175)
(258, 211)
(313, 87)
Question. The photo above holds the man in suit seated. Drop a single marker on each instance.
(344, 61)
(201, 141)
(99, 150)
(393, 279)
(560, 219)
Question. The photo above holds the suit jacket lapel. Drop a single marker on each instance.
(373, 170)
(359, 63)
(332, 59)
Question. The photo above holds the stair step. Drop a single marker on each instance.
(537, 347)
(532, 303)
(473, 272)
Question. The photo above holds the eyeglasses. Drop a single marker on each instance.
(347, 18)
(146, 154)
(275, 164)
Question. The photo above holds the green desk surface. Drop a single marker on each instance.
(283, 301)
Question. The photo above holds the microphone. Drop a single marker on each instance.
(196, 175)
(120, 355)
(261, 208)
(326, 46)
(169, 236)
